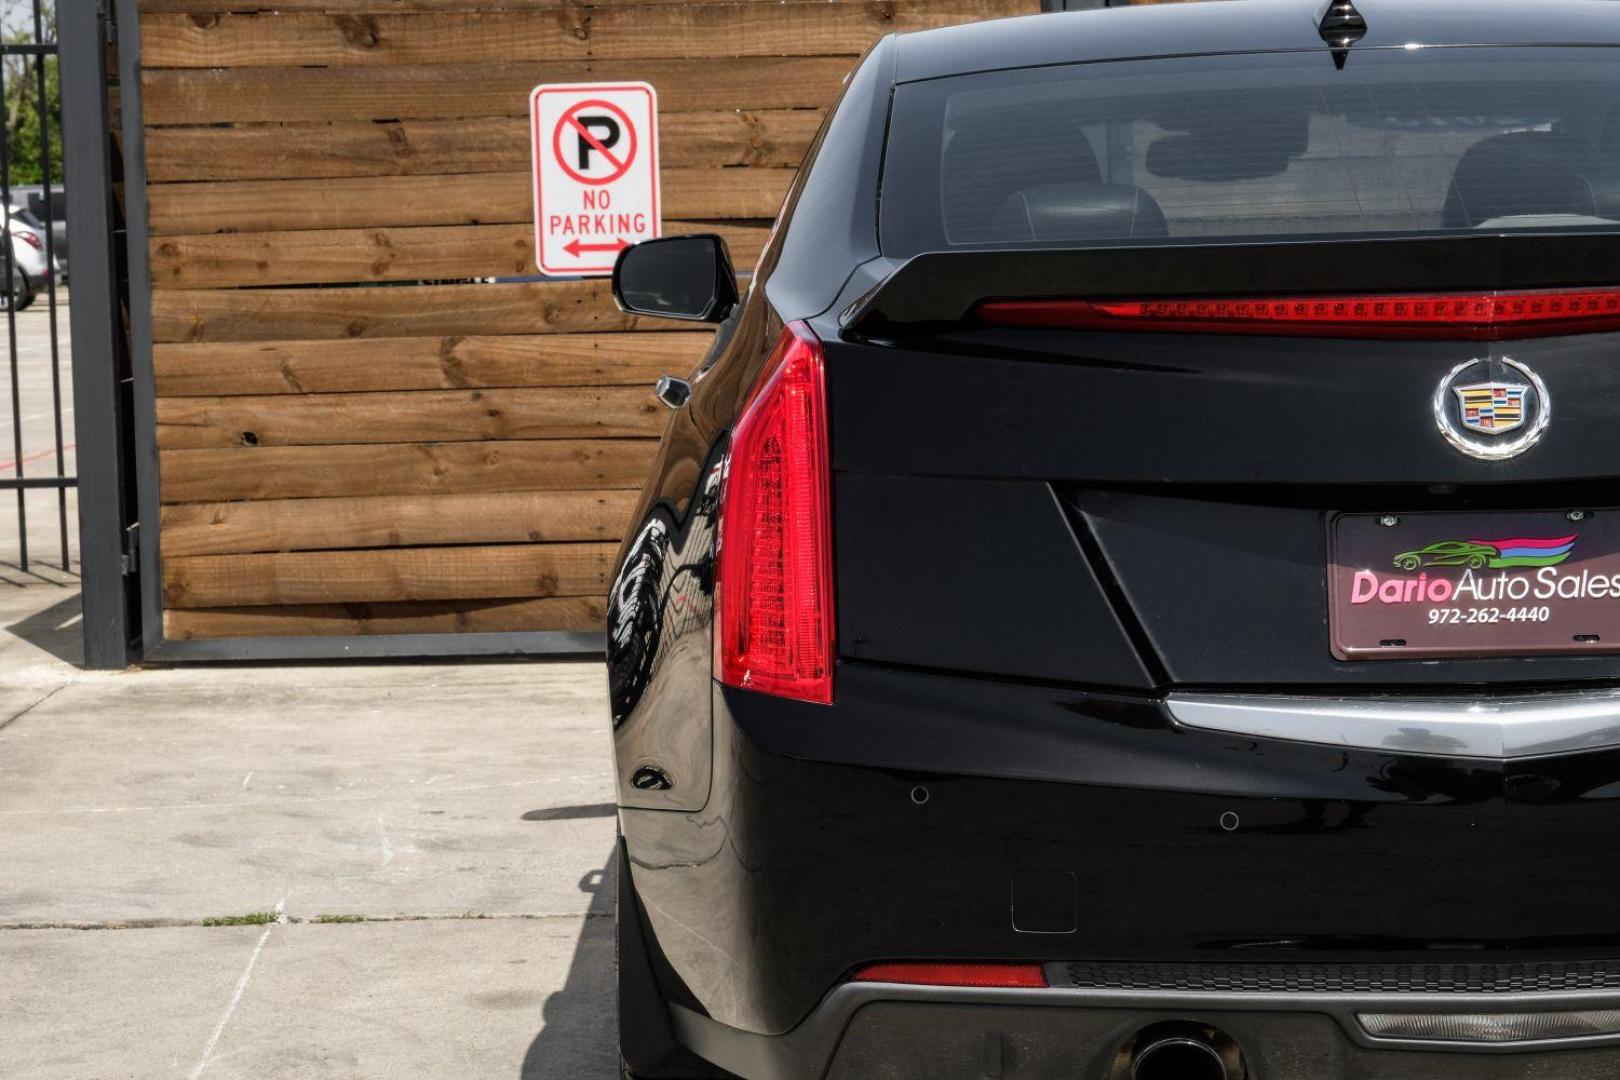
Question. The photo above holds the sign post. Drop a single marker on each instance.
(595, 173)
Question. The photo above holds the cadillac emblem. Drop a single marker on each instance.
(1492, 409)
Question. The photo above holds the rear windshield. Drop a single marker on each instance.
(1417, 141)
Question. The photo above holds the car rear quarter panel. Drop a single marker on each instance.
(660, 611)
(660, 608)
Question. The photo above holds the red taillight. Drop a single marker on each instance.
(30, 239)
(774, 592)
(1011, 976)
(1445, 317)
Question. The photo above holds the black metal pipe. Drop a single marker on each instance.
(42, 483)
(9, 279)
(98, 353)
(1178, 1057)
(52, 313)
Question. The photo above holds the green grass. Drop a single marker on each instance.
(252, 918)
(338, 918)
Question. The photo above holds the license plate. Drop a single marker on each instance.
(1415, 586)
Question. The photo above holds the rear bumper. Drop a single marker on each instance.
(910, 1033)
(926, 817)
(39, 277)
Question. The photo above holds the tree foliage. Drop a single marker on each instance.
(23, 132)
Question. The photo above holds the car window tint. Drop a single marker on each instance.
(1400, 141)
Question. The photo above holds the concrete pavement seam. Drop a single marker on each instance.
(26, 709)
(169, 924)
(236, 996)
(358, 797)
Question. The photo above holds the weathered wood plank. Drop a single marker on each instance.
(403, 201)
(292, 472)
(449, 91)
(642, 32)
(389, 521)
(584, 613)
(327, 577)
(256, 206)
(329, 367)
(450, 433)
(547, 307)
(770, 138)
(343, 256)
(426, 416)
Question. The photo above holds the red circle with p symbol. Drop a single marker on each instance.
(603, 142)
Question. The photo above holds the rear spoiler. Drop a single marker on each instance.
(939, 290)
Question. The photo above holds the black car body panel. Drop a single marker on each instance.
(961, 604)
(1042, 537)
(1118, 409)
(825, 861)
(829, 225)
(937, 291)
(1234, 538)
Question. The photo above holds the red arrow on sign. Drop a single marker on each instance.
(574, 247)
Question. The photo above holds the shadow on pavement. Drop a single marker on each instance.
(55, 629)
(39, 572)
(579, 1037)
(573, 813)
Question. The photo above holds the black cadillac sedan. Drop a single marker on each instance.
(1134, 589)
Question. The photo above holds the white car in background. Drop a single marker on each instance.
(30, 267)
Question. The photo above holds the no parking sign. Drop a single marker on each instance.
(595, 173)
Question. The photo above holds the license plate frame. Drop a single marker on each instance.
(1459, 584)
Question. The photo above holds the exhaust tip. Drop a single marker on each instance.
(1178, 1057)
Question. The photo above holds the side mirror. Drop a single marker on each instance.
(676, 277)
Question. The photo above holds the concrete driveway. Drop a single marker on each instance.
(321, 871)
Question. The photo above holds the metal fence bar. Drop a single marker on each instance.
(138, 279)
(12, 296)
(37, 483)
(99, 354)
(50, 277)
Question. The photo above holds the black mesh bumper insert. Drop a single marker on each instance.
(1258, 978)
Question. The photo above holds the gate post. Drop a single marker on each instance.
(100, 366)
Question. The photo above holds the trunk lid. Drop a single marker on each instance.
(1131, 509)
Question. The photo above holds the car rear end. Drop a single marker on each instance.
(1167, 609)
(30, 266)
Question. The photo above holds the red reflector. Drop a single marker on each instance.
(1449, 317)
(30, 239)
(774, 578)
(1025, 976)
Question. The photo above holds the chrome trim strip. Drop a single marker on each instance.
(1455, 727)
(1490, 1028)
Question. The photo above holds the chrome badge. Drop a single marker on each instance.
(1492, 409)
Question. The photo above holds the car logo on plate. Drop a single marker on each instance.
(1491, 554)
(1481, 403)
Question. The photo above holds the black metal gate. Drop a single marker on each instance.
(35, 457)
(65, 433)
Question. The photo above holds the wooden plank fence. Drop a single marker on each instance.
(356, 438)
